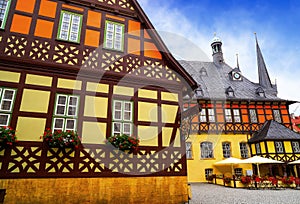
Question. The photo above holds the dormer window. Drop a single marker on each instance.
(199, 91)
(260, 92)
(230, 92)
(203, 72)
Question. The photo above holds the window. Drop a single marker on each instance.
(122, 117)
(257, 147)
(238, 172)
(244, 150)
(69, 26)
(226, 149)
(66, 112)
(253, 116)
(228, 117)
(211, 115)
(189, 152)
(114, 36)
(206, 150)
(279, 147)
(296, 147)
(202, 116)
(236, 115)
(7, 98)
(277, 117)
(208, 172)
(4, 7)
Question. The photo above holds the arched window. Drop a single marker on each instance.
(206, 150)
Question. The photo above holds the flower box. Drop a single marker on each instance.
(123, 142)
(61, 139)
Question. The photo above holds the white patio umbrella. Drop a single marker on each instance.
(230, 161)
(295, 162)
(260, 160)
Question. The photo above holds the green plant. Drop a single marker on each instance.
(124, 142)
(60, 138)
(7, 136)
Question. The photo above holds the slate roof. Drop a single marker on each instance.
(273, 130)
(218, 80)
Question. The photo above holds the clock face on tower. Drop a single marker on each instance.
(236, 76)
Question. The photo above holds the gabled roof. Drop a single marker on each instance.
(161, 45)
(217, 80)
(273, 130)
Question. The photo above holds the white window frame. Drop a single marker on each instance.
(244, 150)
(211, 115)
(238, 172)
(4, 112)
(236, 115)
(207, 151)
(4, 11)
(279, 147)
(296, 147)
(114, 36)
(189, 150)
(202, 116)
(69, 26)
(277, 116)
(208, 172)
(226, 147)
(257, 148)
(122, 121)
(65, 117)
(228, 116)
(253, 116)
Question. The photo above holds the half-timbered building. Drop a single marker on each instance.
(97, 67)
(232, 109)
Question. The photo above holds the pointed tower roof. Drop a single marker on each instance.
(264, 79)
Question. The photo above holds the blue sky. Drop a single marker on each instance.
(276, 22)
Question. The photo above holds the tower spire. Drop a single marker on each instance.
(264, 79)
(217, 49)
(237, 61)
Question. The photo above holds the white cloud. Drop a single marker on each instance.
(236, 30)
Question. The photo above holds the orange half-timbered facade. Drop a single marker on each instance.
(97, 67)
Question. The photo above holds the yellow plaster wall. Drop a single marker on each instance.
(263, 147)
(152, 190)
(169, 113)
(169, 96)
(10, 76)
(38, 80)
(35, 101)
(271, 147)
(148, 135)
(122, 90)
(95, 106)
(147, 112)
(288, 147)
(93, 133)
(94, 87)
(196, 166)
(143, 93)
(253, 149)
(166, 137)
(69, 84)
(30, 129)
